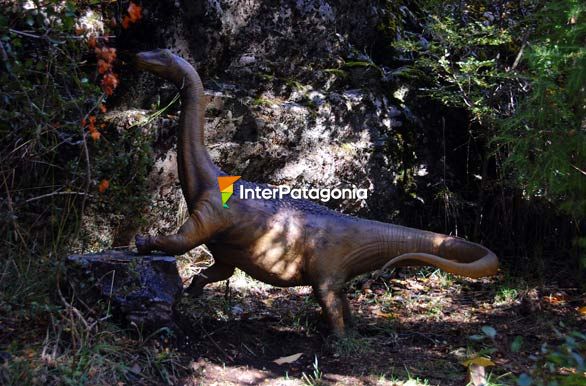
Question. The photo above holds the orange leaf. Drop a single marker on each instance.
(555, 299)
(103, 67)
(134, 11)
(109, 83)
(386, 315)
(106, 54)
(126, 22)
(104, 185)
(96, 135)
(92, 124)
(480, 361)
(91, 42)
(582, 310)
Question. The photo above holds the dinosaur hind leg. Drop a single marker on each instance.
(346, 311)
(216, 272)
(335, 306)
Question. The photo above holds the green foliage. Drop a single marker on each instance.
(518, 70)
(562, 364)
(46, 92)
(546, 137)
(45, 170)
(50, 171)
(461, 63)
(125, 160)
(521, 75)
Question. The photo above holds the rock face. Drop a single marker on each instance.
(295, 99)
(140, 289)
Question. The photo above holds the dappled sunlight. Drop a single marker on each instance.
(278, 248)
(418, 324)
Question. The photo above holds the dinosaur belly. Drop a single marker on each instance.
(284, 273)
(273, 254)
(278, 253)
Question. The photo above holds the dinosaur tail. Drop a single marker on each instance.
(450, 254)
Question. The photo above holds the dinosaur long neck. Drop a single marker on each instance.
(197, 172)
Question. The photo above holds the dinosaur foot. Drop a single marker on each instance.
(143, 244)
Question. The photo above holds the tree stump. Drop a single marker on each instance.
(138, 288)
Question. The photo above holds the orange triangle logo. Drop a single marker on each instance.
(226, 182)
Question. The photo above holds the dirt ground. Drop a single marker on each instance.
(410, 329)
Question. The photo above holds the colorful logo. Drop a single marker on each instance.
(227, 187)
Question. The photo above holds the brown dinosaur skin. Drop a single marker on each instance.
(286, 242)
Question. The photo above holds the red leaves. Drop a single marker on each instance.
(108, 54)
(134, 12)
(134, 15)
(106, 57)
(96, 135)
(91, 41)
(103, 66)
(103, 186)
(91, 127)
(109, 83)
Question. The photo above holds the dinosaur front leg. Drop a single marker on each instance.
(216, 272)
(195, 231)
(333, 303)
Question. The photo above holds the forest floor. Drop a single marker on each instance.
(411, 329)
(416, 327)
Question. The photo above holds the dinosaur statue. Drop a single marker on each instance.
(286, 242)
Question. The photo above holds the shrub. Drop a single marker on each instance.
(519, 71)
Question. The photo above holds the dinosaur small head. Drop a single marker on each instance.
(163, 63)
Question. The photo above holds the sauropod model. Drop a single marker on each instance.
(286, 242)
